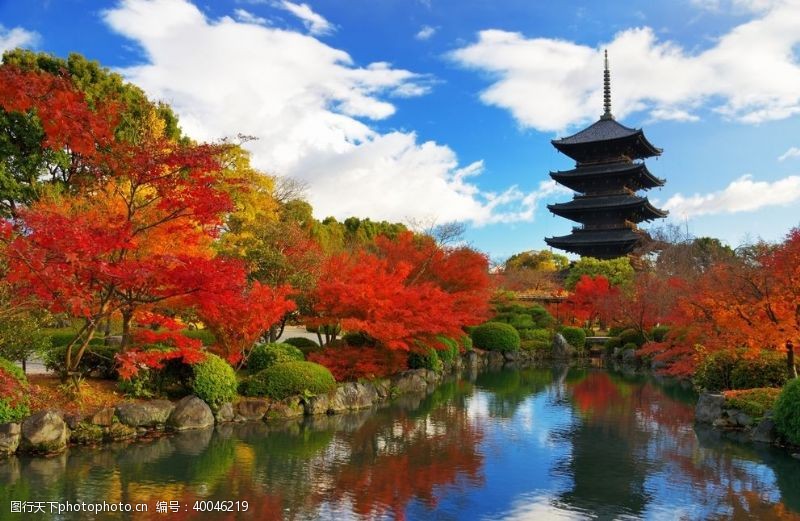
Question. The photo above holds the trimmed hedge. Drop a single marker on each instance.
(214, 381)
(575, 336)
(264, 356)
(725, 370)
(287, 379)
(306, 345)
(659, 333)
(787, 420)
(450, 351)
(13, 393)
(496, 336)
(425, 360)
(611, 344)
(632, 336)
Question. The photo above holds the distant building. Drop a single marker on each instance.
(608, 172)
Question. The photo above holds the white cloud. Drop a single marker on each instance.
(315, 23)
(249, 18)
(792, 152)
(425, 33)
(749, 74)
(742, 195)
(16, 37)
(310, 107)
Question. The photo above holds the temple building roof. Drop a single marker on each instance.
(576, 177)
(598, 243)
(636, 208)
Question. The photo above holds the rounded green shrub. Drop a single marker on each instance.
(522, 322)
(203, 335)
(450, 351)
(13, 393)
(429, 359)
(659, 333)
(539, 346)
(575, 336)
(616, 330)
(766, 370)
(541, 316)
(466, 342)
(214, 381)
(632, 336)
(267, 355)
(612, 343)
(786, 417)
(306, 345)
(495, 336)
(727, 369)
(630, 345)
(287, 379)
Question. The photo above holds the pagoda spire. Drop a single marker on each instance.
(606, 91)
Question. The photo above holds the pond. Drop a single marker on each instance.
(538, 443)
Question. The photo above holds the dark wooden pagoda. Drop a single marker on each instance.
(608, 173)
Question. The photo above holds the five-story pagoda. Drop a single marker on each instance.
(608, 172)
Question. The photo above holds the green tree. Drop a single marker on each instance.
(543, 260)
(26, 166)
(619, 271)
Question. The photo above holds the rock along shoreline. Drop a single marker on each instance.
(49, 432)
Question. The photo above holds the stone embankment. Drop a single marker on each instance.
(52, 431)
(711, 409)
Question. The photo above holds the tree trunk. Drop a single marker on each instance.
(790, 360)
(273, 334)
(24, 365)
(127, 318)
(107, 330)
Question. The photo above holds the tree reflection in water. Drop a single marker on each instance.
(581, 443)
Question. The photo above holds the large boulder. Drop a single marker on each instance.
(409, 382)
(290, 407)
(709, 408)
(10, 434)
(45, 431)
(251, 409)
(356, 395)
(145, 414)
(561, 348)
(104, 417)
(225, 413)
(765, 432)
(190, 413)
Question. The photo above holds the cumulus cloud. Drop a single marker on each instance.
(315, 23)
(425, 33)
(311, 108)
(792, 152)
(749, 74)
(742, 195)
(16, 37)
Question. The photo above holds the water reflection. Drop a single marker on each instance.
(554, 443)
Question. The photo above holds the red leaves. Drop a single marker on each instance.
(348, 363)
(66, 119)
(410, 289)
(592, 299)
(239, 315)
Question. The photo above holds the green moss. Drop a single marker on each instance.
(754, 402)
(575, 336)
(86, 434)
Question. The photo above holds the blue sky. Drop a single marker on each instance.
(438, 110)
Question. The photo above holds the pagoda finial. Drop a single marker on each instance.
(606, 91)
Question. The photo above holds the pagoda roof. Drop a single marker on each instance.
(582, 145)
(574, 178)
(582, 205)
(598, 243)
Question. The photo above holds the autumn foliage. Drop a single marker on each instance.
(409, 289)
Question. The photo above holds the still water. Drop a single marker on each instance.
(541, 443)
